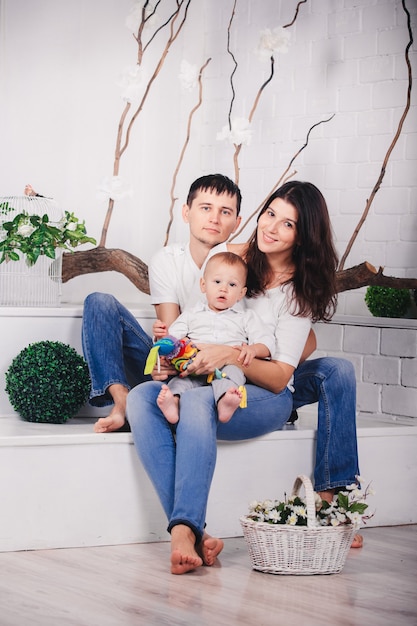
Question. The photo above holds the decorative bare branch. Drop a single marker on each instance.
(390, 149)
(297, 8)
(229, 117)
(120, 149)
(285, 176)
(174, 178)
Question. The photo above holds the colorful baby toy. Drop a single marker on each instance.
(179, 351)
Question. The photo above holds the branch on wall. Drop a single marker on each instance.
(116, 260)
(366, 274)
(390, 149)
(106, 260)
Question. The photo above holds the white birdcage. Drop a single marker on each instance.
(21, 284)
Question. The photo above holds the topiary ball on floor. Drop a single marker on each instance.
(48, 382)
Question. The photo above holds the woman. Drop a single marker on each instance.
(291, 282)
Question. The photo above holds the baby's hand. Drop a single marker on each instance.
(159, 329)
(247, 354)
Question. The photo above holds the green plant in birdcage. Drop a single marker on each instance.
(34, 235)
(387, 301)
(48, 382)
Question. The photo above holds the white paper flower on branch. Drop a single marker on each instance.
(134, 18)
(188, 75)
(240, 133)
(133, 83)
(272, 41)
(113, 188)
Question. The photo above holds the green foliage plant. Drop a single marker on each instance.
(387, 301)
(34, 235)
(48, 382)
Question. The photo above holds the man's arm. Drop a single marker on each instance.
(167, 312)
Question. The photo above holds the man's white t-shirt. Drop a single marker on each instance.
(174, 277)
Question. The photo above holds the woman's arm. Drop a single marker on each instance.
(271, 375)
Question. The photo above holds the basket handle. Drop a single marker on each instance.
(310, 499)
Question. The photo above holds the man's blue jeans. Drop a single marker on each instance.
(115, 346)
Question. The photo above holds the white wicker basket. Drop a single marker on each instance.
(302, 550)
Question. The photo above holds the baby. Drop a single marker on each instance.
(218, 320)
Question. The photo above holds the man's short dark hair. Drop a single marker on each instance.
(217, 183)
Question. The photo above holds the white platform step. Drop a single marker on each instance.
(62, 485)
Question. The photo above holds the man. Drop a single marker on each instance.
(115, 345)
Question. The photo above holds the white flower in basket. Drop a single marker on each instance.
(304, 535)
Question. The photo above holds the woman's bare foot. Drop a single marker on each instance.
(328, 497)
(184, 557)
(168, 404)
(210, 548)
(228, 404)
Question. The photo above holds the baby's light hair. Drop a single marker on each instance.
(229, 258)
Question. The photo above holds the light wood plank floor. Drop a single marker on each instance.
(131, 585)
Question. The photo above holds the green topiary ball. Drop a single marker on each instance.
(48, 382)
(387, 302)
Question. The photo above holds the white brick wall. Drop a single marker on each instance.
(346, 58)
(384, 358)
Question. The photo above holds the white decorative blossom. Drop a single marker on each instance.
(133, 82)
(271, 42)
(113, 188)
(134, 18)
(274, 515)
(301, 511)
(25, 230)
(72, 226)
(240, 133)
(188, 75)
(292, 519)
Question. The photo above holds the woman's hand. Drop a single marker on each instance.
(209, 358)
(163, 370)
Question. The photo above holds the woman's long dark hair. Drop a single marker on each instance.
(314, 255)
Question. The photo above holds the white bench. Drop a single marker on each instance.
(62, 485)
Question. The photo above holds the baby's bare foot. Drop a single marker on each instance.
(228, 404)
(168, 404)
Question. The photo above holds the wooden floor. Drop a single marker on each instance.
(131, 585)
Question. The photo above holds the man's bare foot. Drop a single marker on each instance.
(109, 424)
(117, 416)
(328, 497)
(184, 557)
(168, 404)
(228, 404)
(210, 548)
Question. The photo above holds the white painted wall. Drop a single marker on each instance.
(60, 106)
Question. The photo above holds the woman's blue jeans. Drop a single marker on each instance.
(331, 382)
(115, 346)
(180, 461)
